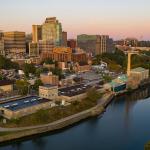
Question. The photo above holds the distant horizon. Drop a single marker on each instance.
(118, 19)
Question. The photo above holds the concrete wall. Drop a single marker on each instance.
(24, 112)
(6, 88)
(73, 98)
(48, 93)
(55, 125)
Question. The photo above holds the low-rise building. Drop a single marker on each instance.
(82, 67)
(49, 78)
(6, 86)
(137, 76)
(48, 91)
(74, 93)
(24, 106)
(140, 73)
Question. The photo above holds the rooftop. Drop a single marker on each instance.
(23, 103)
(139, 69)
(75, 90)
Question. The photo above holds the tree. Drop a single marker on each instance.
(29, 68)
(7, 63)
(107, 78)
(22, 86)
(1, 77)
(57, 71)
(37, 84)
(49, 61)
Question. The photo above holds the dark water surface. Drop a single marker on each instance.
(124, 126)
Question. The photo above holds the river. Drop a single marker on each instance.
(124, 126)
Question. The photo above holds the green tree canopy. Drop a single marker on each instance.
(22, 86)
(37, 84)
(7, 63)
(29, 68)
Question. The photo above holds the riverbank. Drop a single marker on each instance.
(23, 132)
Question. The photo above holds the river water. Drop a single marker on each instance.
(124, 126)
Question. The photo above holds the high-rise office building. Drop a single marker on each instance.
(87, 42)
(15, 44)
(64, 39)
(133, 42)
(45, 46)
(104, 44)
(52, 30)
(36, 33)
(96, 44)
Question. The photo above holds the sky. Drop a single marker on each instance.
(117, 18)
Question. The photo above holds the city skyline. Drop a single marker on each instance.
(119, 19)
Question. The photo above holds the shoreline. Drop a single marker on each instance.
(59, 124)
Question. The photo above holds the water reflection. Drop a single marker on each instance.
(39, 143)
(17, 146)
(129, 101)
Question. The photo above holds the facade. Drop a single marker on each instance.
(137, 77)
(104, 45)
(33, 50)
(140, 74)
(48, 92)
(60, 54)
(87, 42)
(36, 33)
(64, 39)
(52, 30)
(72, 43)
(15, 44)
(65, 54)
(6, 86)
(45, 46)
(49, 78)
(96, 44)
(119, 87)
(133, 42)
(2, 52)
(82, 67)
(144, 44)
(78, 57)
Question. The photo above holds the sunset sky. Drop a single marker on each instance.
(117, 18)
